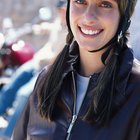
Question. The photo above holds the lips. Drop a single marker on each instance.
(90, 32)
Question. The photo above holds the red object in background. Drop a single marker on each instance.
(16, 53)
(21, 52)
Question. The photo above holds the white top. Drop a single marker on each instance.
(81, 86)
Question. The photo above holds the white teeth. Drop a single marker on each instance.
(90, 32)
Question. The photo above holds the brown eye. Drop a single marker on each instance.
(105, 4)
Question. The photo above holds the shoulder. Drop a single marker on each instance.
(40, 82)
(42, 75)
(33, 98)
(133, 88)
(44, 71)
(41, 78)
(133, 85)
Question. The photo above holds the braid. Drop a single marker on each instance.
(102, 101)
(53, 82)
(102, 104)
(69, 38)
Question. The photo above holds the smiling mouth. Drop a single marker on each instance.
(90, 32)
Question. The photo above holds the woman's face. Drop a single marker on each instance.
(94, 22)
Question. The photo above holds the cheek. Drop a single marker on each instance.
(75, 12)
(112, 21)
(115, 23)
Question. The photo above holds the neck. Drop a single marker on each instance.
(90, 63)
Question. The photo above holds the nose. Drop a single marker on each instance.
(91, 14)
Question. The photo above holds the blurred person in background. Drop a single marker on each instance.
(23, 80)
(91, 91)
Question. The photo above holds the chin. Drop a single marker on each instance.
(89, 47)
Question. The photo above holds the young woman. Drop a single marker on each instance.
(91, 91)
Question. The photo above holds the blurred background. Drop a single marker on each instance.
(135, 31)
(21, 15)
(30, 30)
